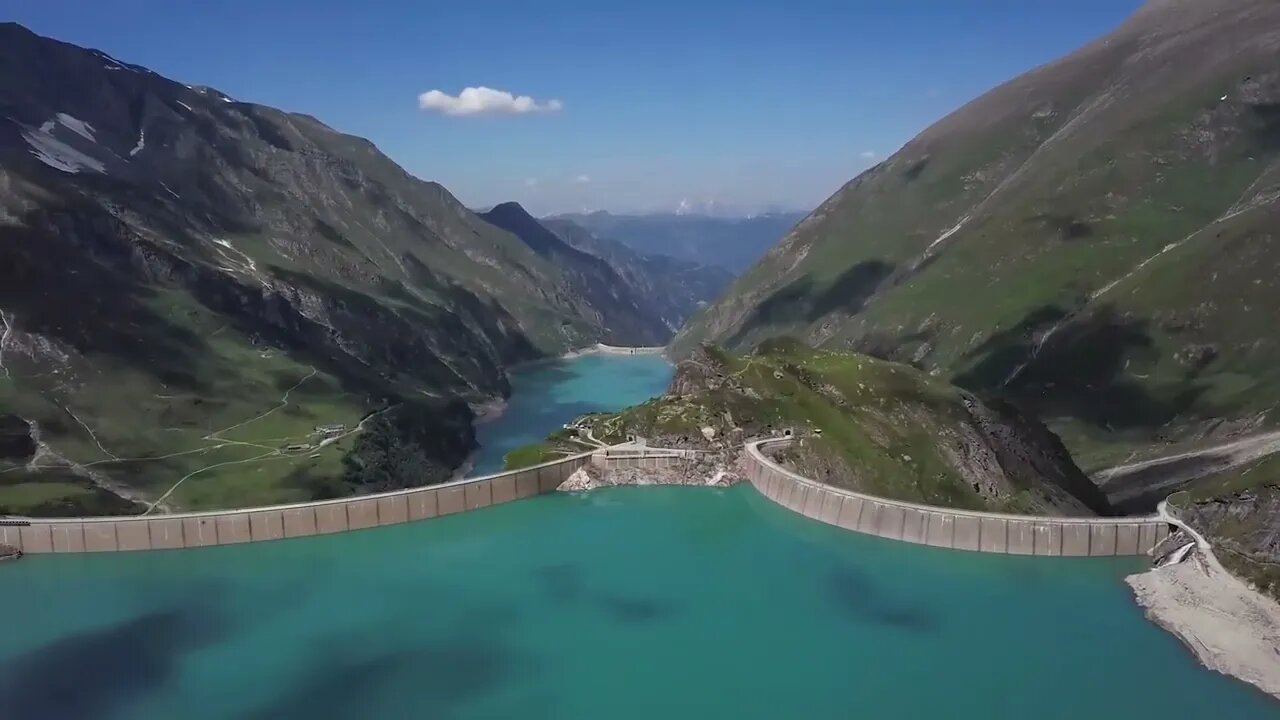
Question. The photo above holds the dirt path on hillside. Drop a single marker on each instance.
(1139, 486)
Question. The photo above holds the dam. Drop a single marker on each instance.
(909, 522)
(720, 602)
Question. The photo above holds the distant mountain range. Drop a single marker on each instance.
(731, 243)
(674, 289)
(201, 298)
(645, 298)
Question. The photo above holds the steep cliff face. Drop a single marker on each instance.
(190, 284)
(1093, 239)
(1238, 510)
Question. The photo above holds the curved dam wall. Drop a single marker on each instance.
(187, 530)
(945, 527)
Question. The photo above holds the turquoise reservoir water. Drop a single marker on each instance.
(627, 603)
(546, 396)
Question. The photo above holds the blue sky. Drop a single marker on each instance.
(747, 104)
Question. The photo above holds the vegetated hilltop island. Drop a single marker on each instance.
(209, 303)
(867, 425)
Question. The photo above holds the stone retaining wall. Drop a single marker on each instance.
(943, 527)
(164, 532)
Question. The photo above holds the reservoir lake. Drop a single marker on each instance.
(625, 603)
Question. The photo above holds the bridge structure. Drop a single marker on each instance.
(859, 512)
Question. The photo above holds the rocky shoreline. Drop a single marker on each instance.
(1227, 625)
(8, 552)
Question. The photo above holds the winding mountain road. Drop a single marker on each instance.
(1145, 480)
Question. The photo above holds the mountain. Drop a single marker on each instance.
(1093, 240)
(673, 289)
(203, 300)
(613, 303)
(868, 425)
(731, 243)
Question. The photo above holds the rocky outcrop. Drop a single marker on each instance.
(9, 552)
(1244, 527)
(693, 473)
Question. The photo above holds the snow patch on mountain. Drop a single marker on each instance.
(58, 154)
(77, 126)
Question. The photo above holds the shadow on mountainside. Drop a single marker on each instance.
(62, 280)
(1080, 371)
(801, 302)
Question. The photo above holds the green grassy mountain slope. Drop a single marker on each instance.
(881, 427)
(1093, 239)
(191, 285)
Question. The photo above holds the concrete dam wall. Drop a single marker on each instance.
(945, 527)
(908, 522)
(227, 527)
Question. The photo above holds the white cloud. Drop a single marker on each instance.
(582, 179)
(868, 155)
(530, 182)
(484, 101)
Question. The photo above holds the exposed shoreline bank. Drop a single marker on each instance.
(1201, 598)
(1228, 626)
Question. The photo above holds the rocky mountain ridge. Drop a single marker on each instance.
(620, 308)
(209, 303)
